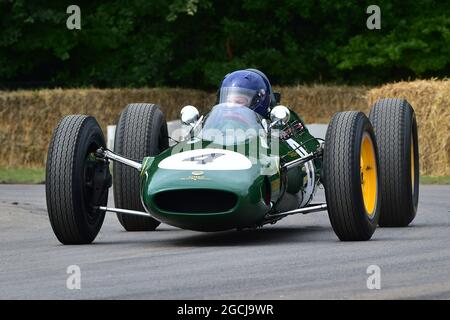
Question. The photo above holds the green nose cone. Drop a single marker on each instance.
(205, 200)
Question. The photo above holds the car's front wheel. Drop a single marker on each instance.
(352, 176)
(76, 181)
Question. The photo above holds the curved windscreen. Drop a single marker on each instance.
(228, 124)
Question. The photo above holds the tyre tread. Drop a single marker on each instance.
(134, 140)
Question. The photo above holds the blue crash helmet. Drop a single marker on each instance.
(247, 88)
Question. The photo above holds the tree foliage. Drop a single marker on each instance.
(194, 43)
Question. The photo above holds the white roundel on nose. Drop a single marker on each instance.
(206, 159)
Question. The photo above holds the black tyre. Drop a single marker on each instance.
(141, 132)
(76, 183)
(395, 126)
(351, 176)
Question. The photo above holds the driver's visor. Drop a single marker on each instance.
(237, 96)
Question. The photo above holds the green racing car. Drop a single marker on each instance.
(248, 162)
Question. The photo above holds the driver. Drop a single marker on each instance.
(247, 88)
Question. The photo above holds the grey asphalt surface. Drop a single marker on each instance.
(297, 258)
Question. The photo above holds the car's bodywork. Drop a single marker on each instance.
(204, 185)
(234, 169)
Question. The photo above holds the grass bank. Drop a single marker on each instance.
(22, 176)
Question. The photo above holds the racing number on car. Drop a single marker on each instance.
(204, 158)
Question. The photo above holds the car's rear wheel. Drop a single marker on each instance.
(76, 182)
(141, 132)
(351, 172)
(395, 127)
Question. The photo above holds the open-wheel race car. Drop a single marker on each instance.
(234, 169)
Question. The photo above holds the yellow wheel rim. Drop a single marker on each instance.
(412, 165)
(368, 172)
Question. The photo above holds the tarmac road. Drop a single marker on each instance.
(299, 257)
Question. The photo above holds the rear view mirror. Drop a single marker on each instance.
(189, 115)
(279, 114)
